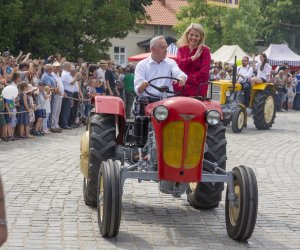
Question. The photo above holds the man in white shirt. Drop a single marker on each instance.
(57, 97)
(68, 83)
(244, 73)
(157, 65)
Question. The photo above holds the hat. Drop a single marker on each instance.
(30, 88)
(56, 64)
(102, 62)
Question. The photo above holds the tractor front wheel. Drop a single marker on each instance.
(204, 195)
(238, 120)
(264, 109)
(109, 202)
(241, 218)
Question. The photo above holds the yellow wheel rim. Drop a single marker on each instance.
(193, 186)
(235, 211)
(241, 120)
(101, 197)
(269, 109)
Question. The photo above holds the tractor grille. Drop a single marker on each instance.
(174, 148)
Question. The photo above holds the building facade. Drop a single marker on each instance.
(162, 15)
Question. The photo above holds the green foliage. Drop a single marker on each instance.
(80, 28)
(282, 21)
(273, 20)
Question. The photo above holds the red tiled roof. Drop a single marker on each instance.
(164, 14)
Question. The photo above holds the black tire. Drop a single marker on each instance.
(109, 199)
(238, 120)
(208, 195)
(241, 219)
(264, 109)
(102, 146)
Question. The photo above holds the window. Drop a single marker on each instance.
(158, 30)
(120, 55)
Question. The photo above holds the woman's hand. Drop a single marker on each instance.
(198, 53)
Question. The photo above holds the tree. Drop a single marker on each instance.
(10, 14)
(282, 21)
(222, 25)
(80, 28)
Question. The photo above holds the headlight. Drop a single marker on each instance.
(213, 117)
(161, 113)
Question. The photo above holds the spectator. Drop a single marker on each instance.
(296, 105)
(73, 120)
(40, 112)
(16, 79)
(214, 74)
(48, 96)
(57, 97)
(129, 91)
(120, 81)
(110, 80)
(68, 82)
(23, 118)
(222, 75)
(280, 85)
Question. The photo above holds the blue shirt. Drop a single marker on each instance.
(298, 83)
(49, 80)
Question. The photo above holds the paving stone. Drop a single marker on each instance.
(46, 210)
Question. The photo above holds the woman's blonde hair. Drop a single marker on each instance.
(183, 40)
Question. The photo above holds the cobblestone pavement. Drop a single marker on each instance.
(45, 207)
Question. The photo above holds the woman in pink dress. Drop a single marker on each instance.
(193, 58)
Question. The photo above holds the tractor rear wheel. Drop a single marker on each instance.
(109, 202)
(203, 194)
(241, 218)
(264, 109)
(238, 120)
(102, 146)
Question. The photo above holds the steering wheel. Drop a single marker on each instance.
(240, 76)
(163, 89)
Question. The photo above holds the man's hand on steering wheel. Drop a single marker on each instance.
(143, 86)
(181, 81)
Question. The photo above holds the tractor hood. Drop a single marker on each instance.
(180, 138)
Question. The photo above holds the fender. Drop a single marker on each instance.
(213, 105)
(115, 106)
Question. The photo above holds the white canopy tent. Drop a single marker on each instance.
(227, 54)
(278, 54)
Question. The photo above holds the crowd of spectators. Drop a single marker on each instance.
(286, 80)
(55, 94)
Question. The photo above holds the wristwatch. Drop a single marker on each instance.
(3, 222)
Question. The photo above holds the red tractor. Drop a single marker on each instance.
(178, 142)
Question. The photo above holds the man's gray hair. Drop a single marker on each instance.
(66, 64)
(155, 39)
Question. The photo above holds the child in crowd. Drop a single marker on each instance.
(9, 119)
(16, 79)
(100, 87)
(92, 88)
(40, 112)
(25, 106)
(3, 128)
(48, 110)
